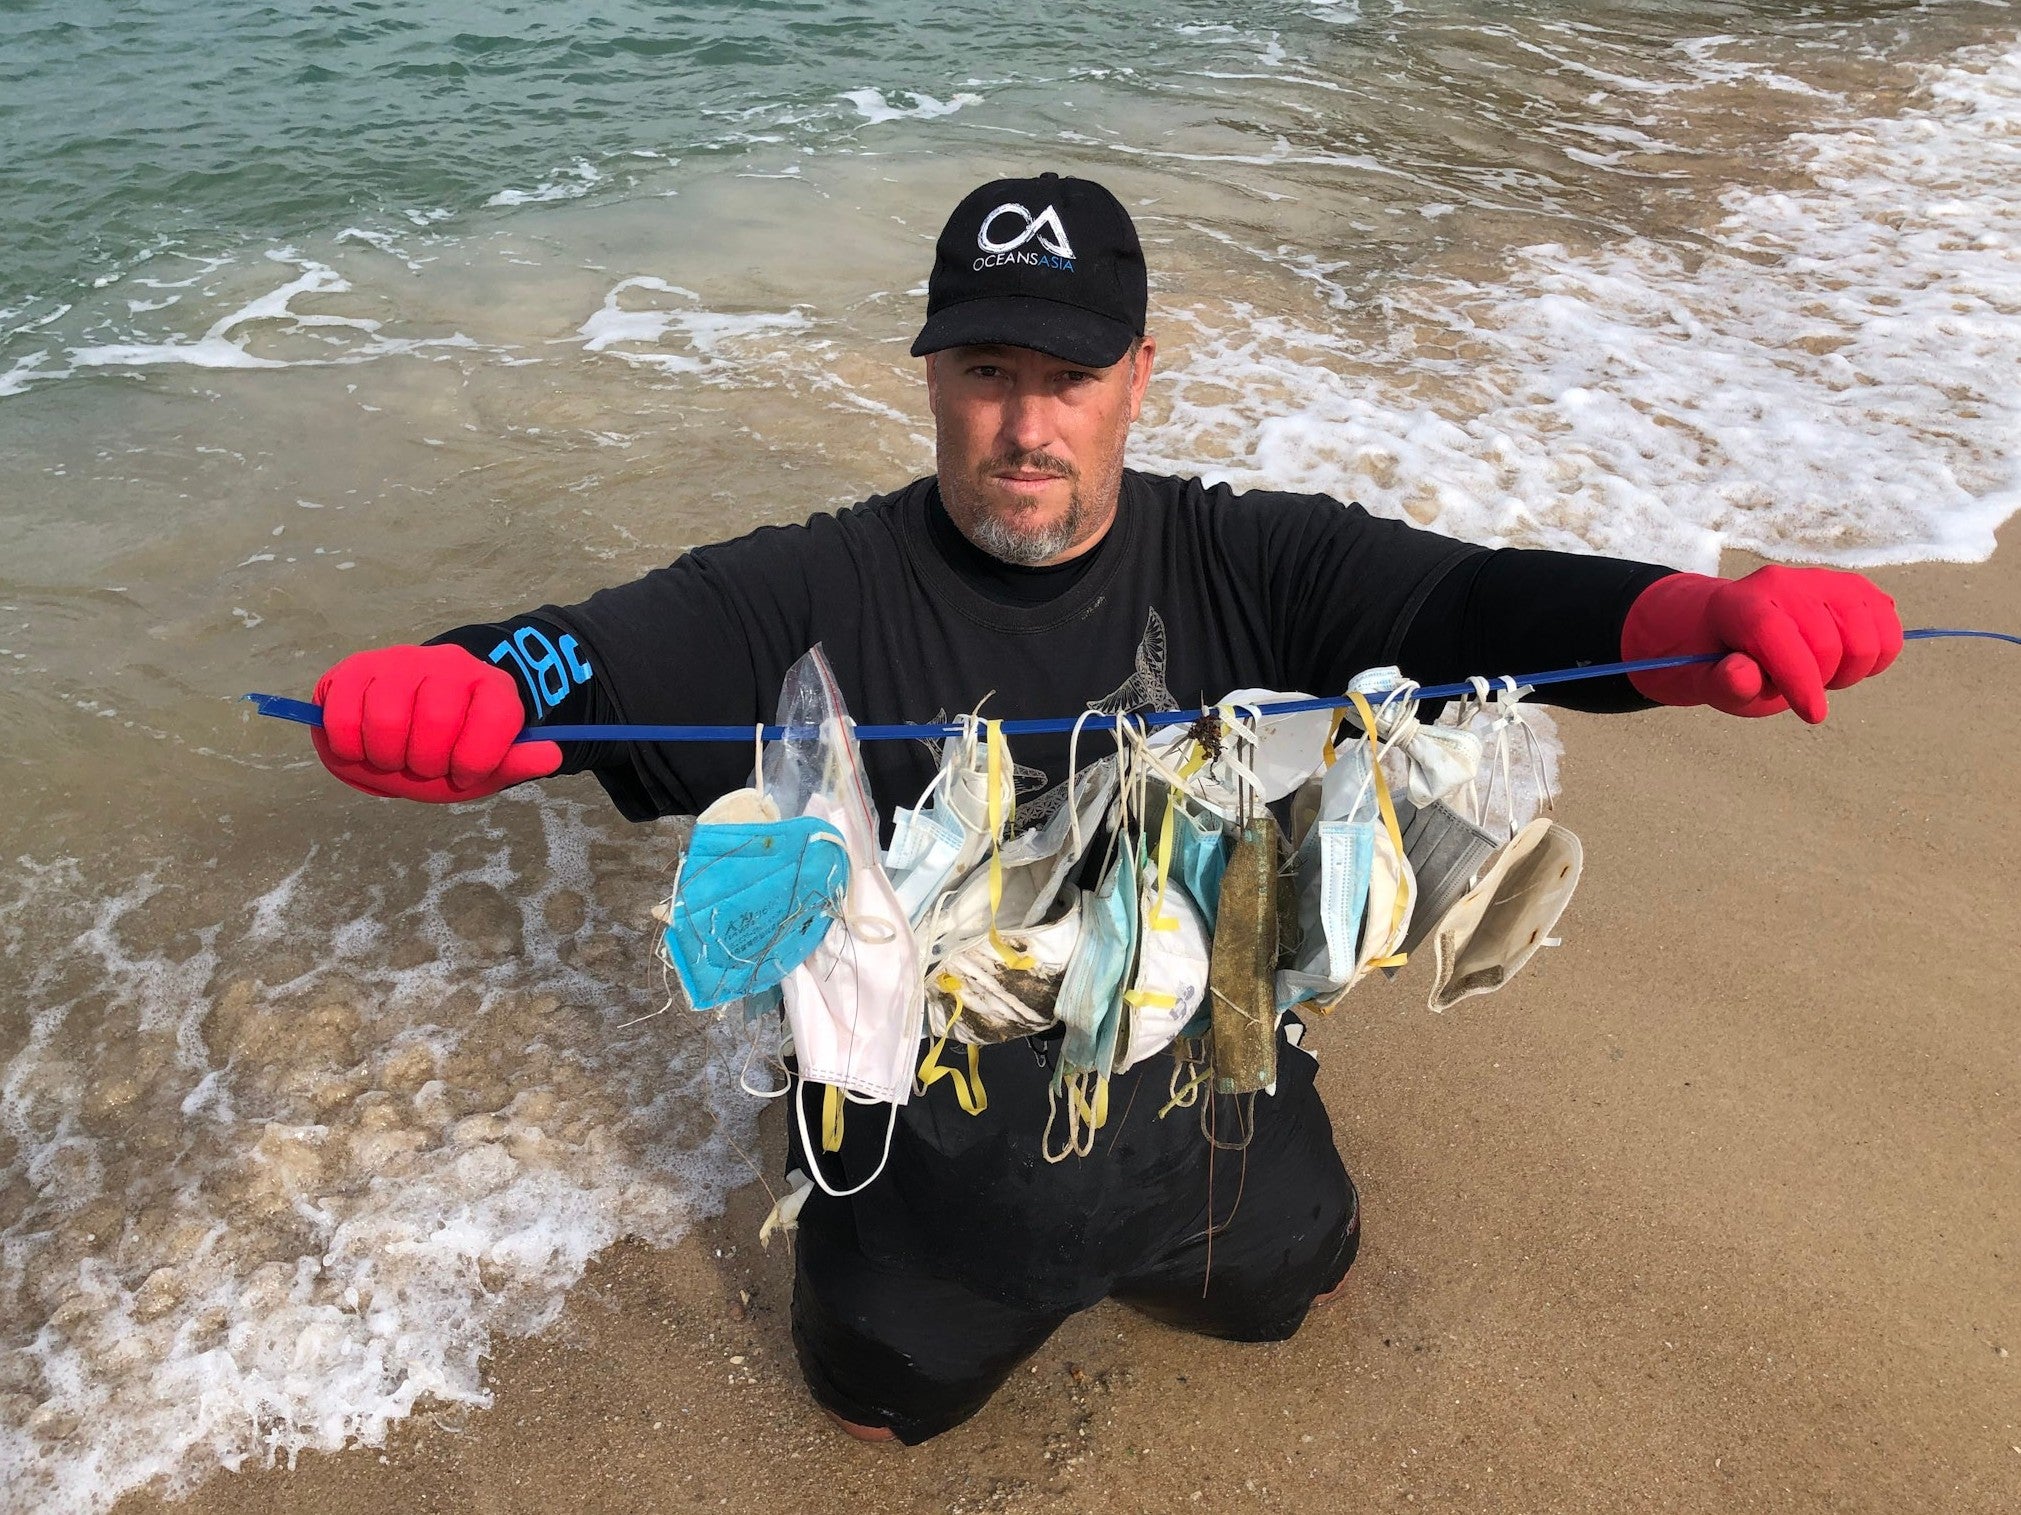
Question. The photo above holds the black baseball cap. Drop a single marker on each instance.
(1048, 263)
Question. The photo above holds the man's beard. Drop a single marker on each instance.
(994, 533)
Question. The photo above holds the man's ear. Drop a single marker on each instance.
(1140, 374)
(932, 381)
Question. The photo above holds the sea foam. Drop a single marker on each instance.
(1832, 378)
(713, 342)
(352, 1131)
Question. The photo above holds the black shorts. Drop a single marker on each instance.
(898, 1342)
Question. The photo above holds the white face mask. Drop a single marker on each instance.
(1171, 979)
(1392, 896)
(1488, 937)
(1263, 758)
(977, 997)
(1437, 760)
(856, 1006)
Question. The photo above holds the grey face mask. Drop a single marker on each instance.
(1447, 853)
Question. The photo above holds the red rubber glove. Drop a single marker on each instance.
(1792, 633)
(425, 723)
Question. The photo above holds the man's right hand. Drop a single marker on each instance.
(426, 723)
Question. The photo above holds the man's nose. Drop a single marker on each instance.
(1028, 421)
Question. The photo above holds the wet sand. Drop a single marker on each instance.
(1715, 1209)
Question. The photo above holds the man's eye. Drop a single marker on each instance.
(985, 371)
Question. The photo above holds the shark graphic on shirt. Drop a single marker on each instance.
(1144, 689)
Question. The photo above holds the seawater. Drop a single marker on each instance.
(331, 329)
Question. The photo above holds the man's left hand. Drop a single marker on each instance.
(1790, 634)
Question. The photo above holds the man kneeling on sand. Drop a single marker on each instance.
(1032, 567)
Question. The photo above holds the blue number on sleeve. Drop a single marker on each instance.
(548, 674)
(550, 679)
(578, 665)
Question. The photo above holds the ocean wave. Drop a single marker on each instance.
(351, 1131)
(872, 105)
(571, 184)
(227, 343)
(715, 341)
(1832, 379)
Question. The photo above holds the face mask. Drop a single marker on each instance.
(1392, 898)
(1090, 1002)
(1262, 757)
(1500, 924)
(1437, 760)
(855, 1007)
(1442, 760)
(1170, 985)
(856, 1004)
(925, 851)
(1035, 868)
(977, 997)
(1199, 855)
(1241, 979)
(751, 901)
(1447, 854)
(1005, 985)
(954, 823)
(1332, 873)
(1355, 885)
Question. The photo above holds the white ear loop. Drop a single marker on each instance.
(1250, 732)
(755, 1030)
(1121, 732)
(1073, 772)
(1533, 744)
(814, 1162)
(1383, 748)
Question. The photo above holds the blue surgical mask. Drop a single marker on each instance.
(926, 849)
(1091, 991)
(751, 902)
(1332, 881)
(935, 843)
(1199, 856)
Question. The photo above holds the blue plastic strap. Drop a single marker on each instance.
(303, 713)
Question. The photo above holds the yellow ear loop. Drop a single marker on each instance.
(1093, 1114)
(831, 1117)
(968, 1092)
(1330, 757)
(1388, 809)
(999, 759)
(1160, 921)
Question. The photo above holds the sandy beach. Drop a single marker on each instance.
(1715, 1209)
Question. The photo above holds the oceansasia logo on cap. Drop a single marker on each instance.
(1049, 263)
(1045, 226)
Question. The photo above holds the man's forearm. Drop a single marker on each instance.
(1524, 610)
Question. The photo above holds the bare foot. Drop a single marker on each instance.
(861, 1433)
